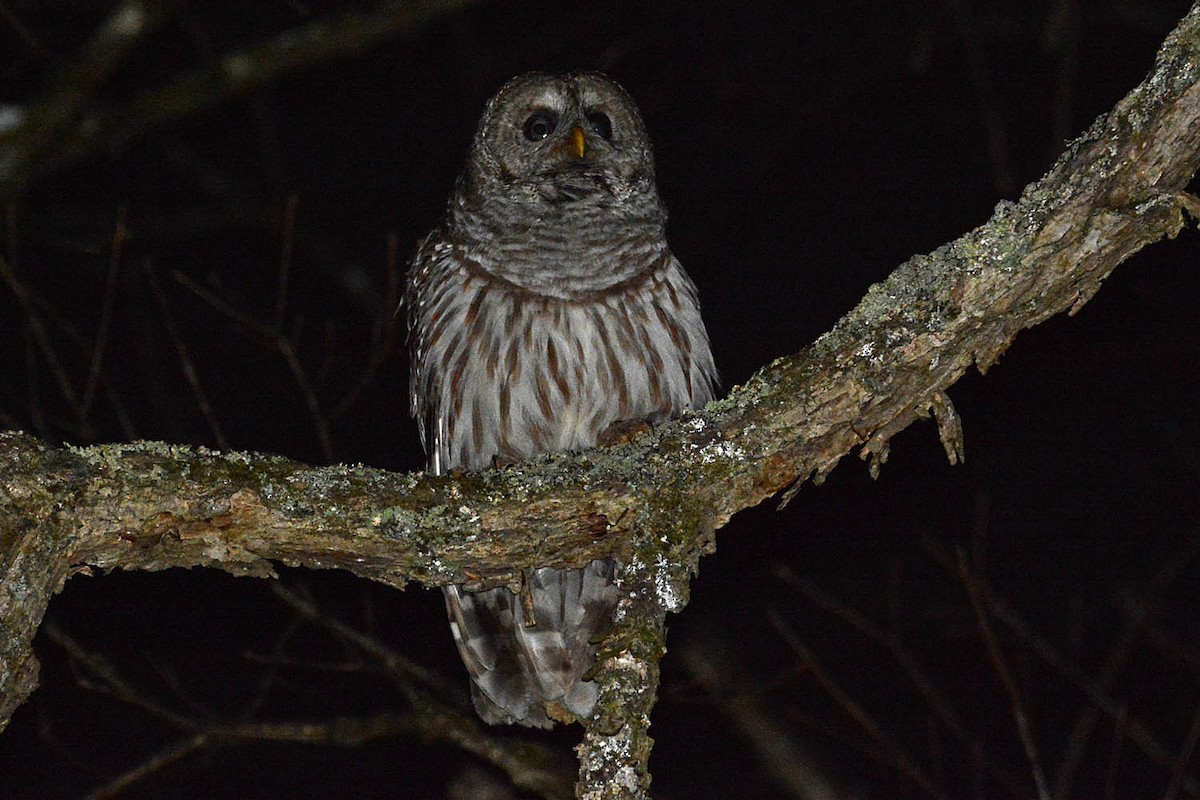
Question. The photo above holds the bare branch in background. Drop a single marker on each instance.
(784, 755)
(185, 360)
(1000, 664)
(286, 349)
(384, 334)
(1094, 690)
(530, 766)
(60, 129)
(110, 294)
(40, 344)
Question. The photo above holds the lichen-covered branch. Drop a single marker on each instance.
(652, 503)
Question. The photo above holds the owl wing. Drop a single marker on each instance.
(521, 666)
(426, 285)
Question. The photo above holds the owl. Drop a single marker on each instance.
(545, 313)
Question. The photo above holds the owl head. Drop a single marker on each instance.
(561, 140)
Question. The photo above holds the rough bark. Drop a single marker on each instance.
(655, 502)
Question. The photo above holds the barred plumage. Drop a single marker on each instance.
(546, 308)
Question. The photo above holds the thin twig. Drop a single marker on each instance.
(324, 439)
(1179, 768)
(61, 323)
(1114, 756)
(925, 685)
(110, 292)
(272, 664)
(999, 664)
(533, 767)
(234, 73)
(892, 750)
(401, 668)
(103, 677)
(286, 249)
(286, 351)
(1134, 729)
(529, 766)
(1119, 653)
(1003, 175)
(942, 707)
(1166, 642)
(383, 333)
(22, 30)
(32, 385)
(42, 339)
(185, 359)
(786, 759)
(165, 757)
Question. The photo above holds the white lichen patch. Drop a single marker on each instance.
(720, 451)
(237, 457)
(625, 661)
(603, 752)
(666, 587)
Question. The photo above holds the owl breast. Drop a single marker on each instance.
(507, 373)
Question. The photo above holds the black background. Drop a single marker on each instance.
(804, 151)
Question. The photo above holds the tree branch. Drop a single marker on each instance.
(61, 129)
(530, 766)
(653, 503)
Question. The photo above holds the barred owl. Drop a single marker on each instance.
(545, 312)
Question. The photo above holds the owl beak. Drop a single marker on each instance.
(578, 143)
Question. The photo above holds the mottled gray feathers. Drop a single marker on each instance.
(527, 666)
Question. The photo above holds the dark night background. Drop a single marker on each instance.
(804, 151)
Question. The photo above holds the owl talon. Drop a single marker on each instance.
(622, 431)
(559, 713)
(527, 600)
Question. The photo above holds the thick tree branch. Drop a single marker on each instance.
(652, 503)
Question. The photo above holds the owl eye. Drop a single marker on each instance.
(540, 125)
(600, 124)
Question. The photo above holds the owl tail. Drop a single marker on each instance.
(517, 670)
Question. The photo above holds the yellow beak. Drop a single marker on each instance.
(578, 144)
